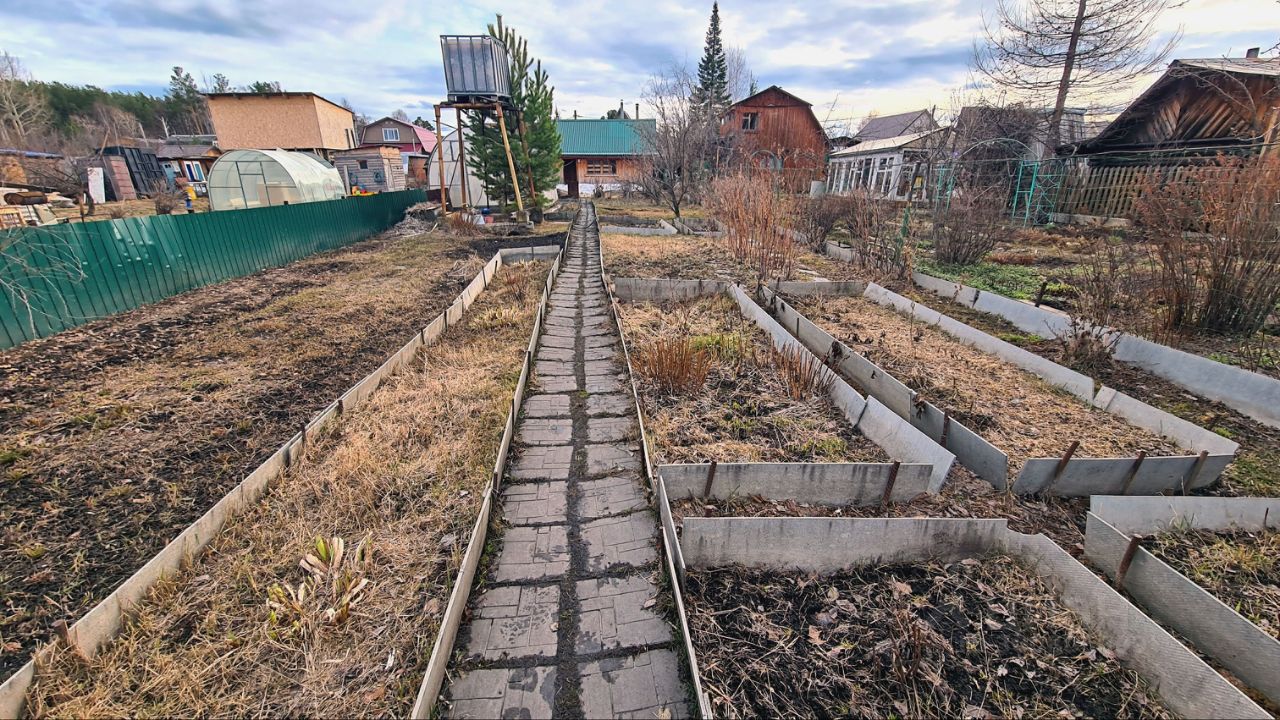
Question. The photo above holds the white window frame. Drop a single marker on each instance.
(390, 134)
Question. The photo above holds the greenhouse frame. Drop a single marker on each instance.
(243, 179)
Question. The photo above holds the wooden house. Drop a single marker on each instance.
(776, 130)
(377, 168)
(301, 121)
(1198, 109)
(190, 157)
(601, 154)
(895, 168)
(414, 143)
(893, 126)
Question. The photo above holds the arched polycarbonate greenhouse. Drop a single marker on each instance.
(260, 178)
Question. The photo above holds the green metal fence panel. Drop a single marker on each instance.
(57, 277)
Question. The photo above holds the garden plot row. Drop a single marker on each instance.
(966, 389)
(374, 505)
(1250, 393)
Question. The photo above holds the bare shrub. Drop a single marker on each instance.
(969, 226)
(752, 208)
(816, 217)
(866, 214)
(673, 365)
(115, 212)
(166, 199)
(1216, 232)
(1101, 285)
(802, 374)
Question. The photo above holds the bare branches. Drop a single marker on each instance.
(23, 111)
(674, 169)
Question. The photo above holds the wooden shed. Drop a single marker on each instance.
(377, 168)
(776, 130)
(1198, 109)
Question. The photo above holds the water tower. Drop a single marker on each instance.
(477, 77)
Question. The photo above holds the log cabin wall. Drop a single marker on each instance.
(777, 130)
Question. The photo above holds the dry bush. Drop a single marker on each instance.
(1102, 285)
(816, 217)
(752, 207)
(802, 374)
(115, 213)
(674, 365)
(167, 199)
(460, 224)
(1216, 230)
(866, 214)
(970, 226)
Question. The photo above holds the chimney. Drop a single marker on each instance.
(637, 111)
(1251, 52)
(575, 114)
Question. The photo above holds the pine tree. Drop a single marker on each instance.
(712, 90)
(533, 97)
(184, 105)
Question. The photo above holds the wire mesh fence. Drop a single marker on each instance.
(58, 277)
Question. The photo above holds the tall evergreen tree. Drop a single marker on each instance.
(712, 90)
(533, 97)
(185, 106)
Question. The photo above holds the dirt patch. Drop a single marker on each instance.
(1256, 469)
(1242, 569)
(118, 434)
(742, 412)
(979, 638)
(401, 481)
(1016, 411)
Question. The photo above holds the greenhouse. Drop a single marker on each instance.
(260, 178)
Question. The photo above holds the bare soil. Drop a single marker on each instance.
(1242, 569)
(1256, 469)
(402, 479)
(116, 435)
(1014, 410)
(979, 638)
(742, 412)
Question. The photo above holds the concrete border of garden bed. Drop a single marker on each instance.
(1184, 683)
(1250, 393)
(847, 484)
(687, 229)
(433, 678)
(869, 416)
(1078, 476)
(1112, 528)
(663, 227)
(102, 623)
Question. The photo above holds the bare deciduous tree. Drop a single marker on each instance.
(674, 169)
(739, 79)
(1057, 51)
(23, 110)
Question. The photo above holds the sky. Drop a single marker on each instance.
(847, 57)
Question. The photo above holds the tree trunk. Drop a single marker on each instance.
(1064, 85)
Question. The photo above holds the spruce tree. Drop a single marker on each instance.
(712, 90)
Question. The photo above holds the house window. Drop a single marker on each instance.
(364, 164)
(751, 121)
(602, 167)
(391, 135)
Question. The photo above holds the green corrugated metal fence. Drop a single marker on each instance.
(57, 277)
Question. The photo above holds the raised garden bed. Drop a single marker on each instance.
(634, 225)
(237, 613)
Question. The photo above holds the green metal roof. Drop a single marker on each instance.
(608, 138)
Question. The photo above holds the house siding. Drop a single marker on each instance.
(289, 122)
(787, 133)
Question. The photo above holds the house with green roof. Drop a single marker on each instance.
(601, 153)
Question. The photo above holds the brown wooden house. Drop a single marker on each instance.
(1198, 109)
(776, 130)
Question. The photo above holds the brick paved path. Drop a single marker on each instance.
(572, 619)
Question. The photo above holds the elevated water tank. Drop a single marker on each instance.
(475, 68)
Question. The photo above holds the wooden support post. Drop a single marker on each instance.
(1193, 472)
(706, 489)
(511, 163)
(462, 160)
(444, 190)
(1133, 472)
(528, 162)
(1062, 463)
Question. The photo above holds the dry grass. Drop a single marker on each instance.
(1242, 569)
(803, 375)
(743, 412)
(694, 258)
(1013, 409)
(402, 478)
(673, 365)
(979, 638)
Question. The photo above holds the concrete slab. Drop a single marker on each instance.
(611, 429)
(612, 458)
(543, 463)
(558, 341)
(532, 554)
(643, 686)
(818, 483)
(613, 495)
(604, 384)
(519, 692)
(619, 613)
(513, 621)
(599, 404)
(546, 368)
(626, 541)
(545, 431)
(557, 384)
(552, 353)
(546, 405)
(535, 503)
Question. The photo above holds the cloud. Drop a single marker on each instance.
(855, 56)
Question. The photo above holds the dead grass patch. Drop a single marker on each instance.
(1016, 411)
(400, 481)
(978, 638)
(700, 258)
(1242, 569)
(743, 412)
